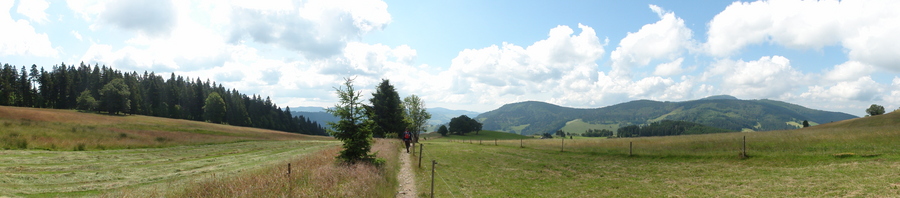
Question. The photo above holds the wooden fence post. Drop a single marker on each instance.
(521, 143)
(421, 147)
(289, 169)
(562, 145)
(630, 145)
(432, 177)
(744, 149)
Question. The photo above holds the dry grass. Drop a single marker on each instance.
(87, 173)
(54, 129)
(315, 175)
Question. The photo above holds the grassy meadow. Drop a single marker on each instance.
(312, 175)
(68, 130)
(65, 153)
(37, 173)
(485, 135)
(851, 158)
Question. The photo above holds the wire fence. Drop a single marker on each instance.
(627, 146)
(439, 172)
(616, 146)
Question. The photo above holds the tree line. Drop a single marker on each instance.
(103, 89)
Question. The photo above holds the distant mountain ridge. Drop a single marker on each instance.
(726, 112)
(439, 115)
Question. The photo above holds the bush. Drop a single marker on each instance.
(79, 147)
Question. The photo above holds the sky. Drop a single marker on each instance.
(479, 55)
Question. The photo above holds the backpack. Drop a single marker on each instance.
(406, 135)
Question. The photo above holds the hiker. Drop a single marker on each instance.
(407, 137)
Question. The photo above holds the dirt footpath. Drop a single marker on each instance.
(406, 177)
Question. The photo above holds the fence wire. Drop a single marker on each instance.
(438, 173)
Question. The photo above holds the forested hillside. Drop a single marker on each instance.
(104, 89)
(723, 112)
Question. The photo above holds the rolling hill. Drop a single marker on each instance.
(57, 129)
(724, 112)
(439, 115)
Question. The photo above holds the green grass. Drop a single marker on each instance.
(67, 130)
(486, 135)
(518, 129)
(64, 153)
(35, 173)
(578, 126)
(853, 158)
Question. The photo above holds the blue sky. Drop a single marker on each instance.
(478, 55)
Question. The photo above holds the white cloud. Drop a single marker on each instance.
(149, 17)
(863, 89)
(670, 68)
(849, 70)
(768, 77)
(548, 68)
(34, 10)
(154, 18)
(316, 29)
(20, 38)
(77, 35)
(666, 39)
(866, 29)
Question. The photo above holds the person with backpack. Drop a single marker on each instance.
(407, 137)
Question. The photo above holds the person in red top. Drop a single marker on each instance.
(407, 137)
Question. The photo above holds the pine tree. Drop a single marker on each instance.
(386, 110)
(353, 128)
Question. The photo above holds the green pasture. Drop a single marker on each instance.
(853, 158)
(578, 126)
(486, 135)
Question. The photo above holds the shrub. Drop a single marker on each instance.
(79, 147)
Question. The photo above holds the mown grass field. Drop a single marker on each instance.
(35, 173)
(67, 130)
(853, 158)
(64, 153)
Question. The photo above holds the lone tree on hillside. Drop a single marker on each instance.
(214, 108)
(354, 127)
(805, 123)
(386, 110)
(875, 110)
(443, 130)
(415, 115)
(114, 97)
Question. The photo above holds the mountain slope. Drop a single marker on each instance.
(441, 115)
(438, 116)
(724, 112)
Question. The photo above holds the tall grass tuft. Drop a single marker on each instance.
(316, 175)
